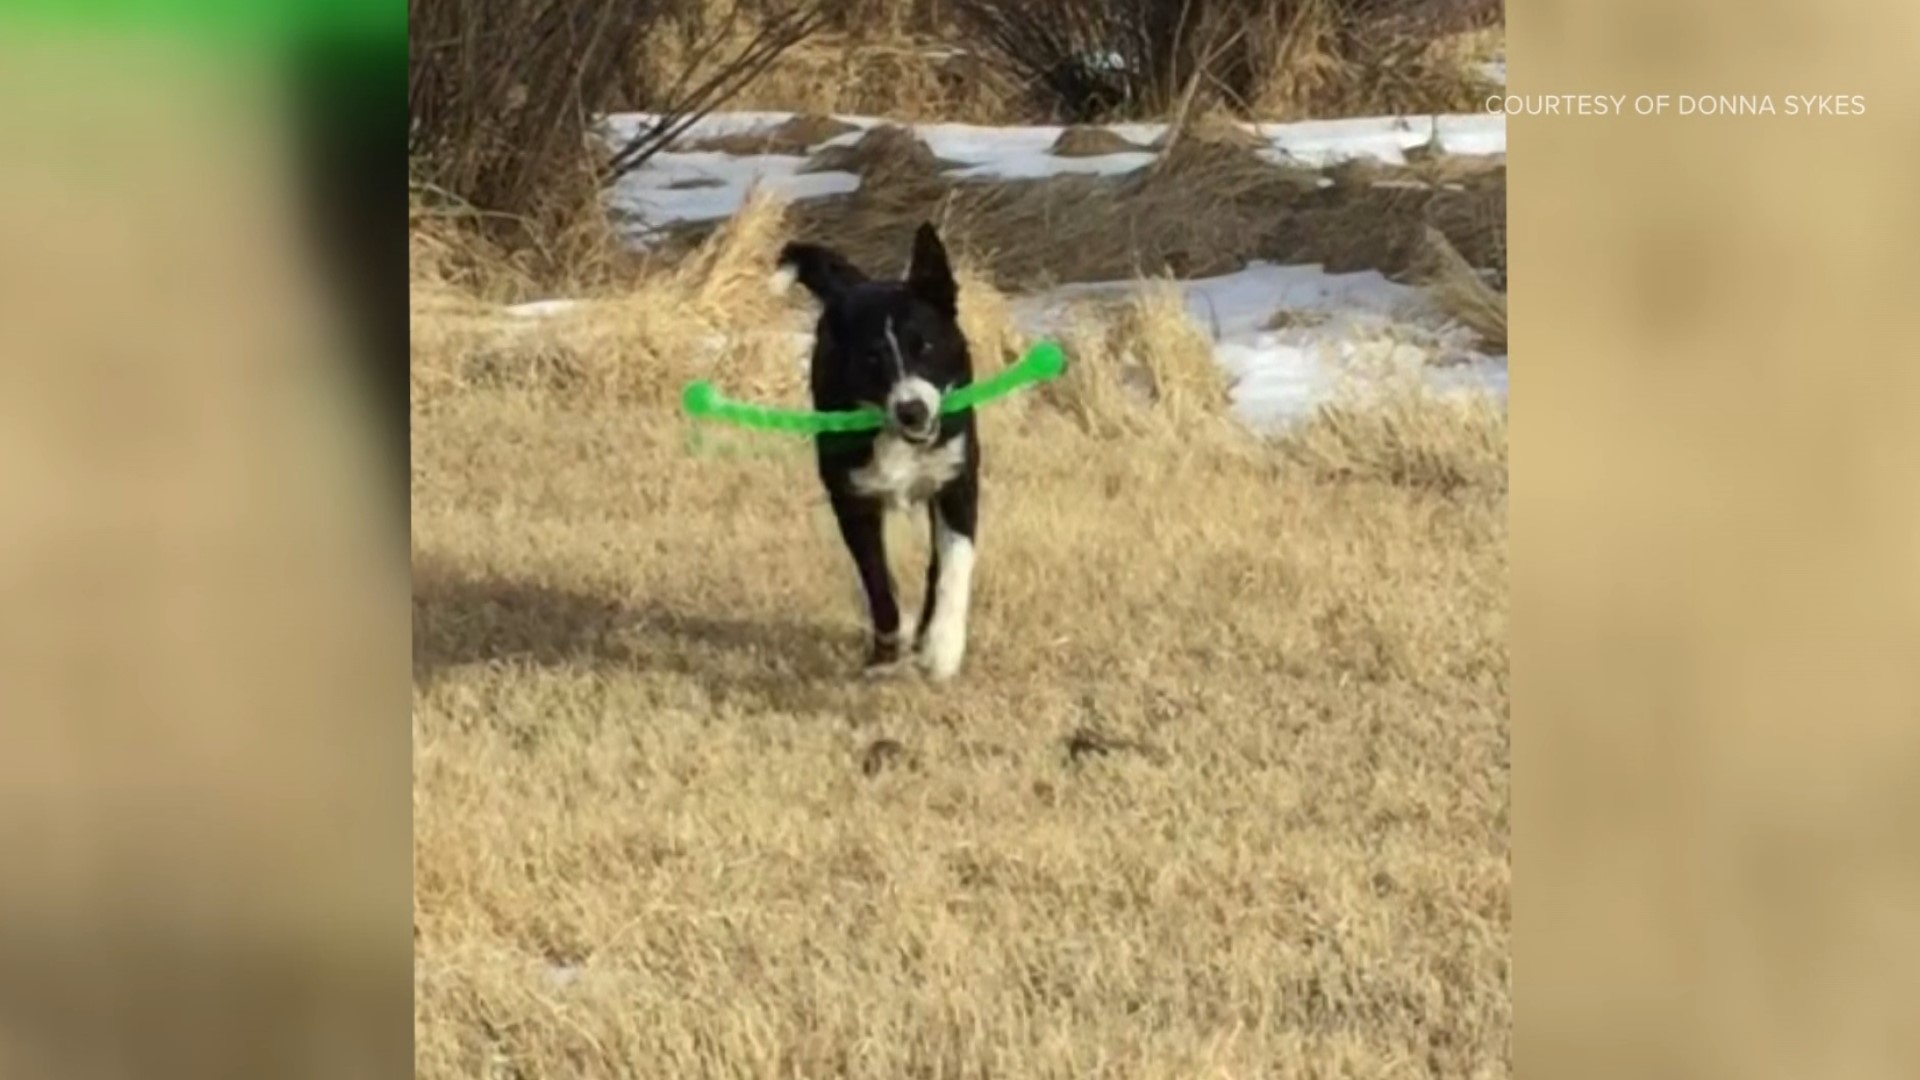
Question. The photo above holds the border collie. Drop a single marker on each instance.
(897, 346)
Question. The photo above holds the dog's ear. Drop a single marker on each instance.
(930, 275)
(824, 272)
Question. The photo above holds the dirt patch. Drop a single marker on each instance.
(1080, 141)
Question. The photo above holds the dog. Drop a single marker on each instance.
(897, 346)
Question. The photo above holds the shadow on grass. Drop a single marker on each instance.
(462, 619)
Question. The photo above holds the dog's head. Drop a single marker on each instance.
(894, 345)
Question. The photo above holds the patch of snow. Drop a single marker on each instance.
(619, 127)
(1474, 134)
(1025, 152)
(708, 186)
(541, 309)
(1243, 302)
(1337, 326)
(1036, 166)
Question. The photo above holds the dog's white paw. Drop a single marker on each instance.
(943, 650)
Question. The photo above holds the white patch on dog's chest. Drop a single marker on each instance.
(901, 473)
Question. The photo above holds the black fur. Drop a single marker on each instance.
(871, 336)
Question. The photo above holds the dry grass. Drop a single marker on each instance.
(1083, 141)
(903, 60)
(1376, 218)
(986, 318)
(887, 156)
(1140, 366)
(633, 339)
(1321, 72)
(1222, 790)
(1207, 205)
(1464, 294)
(795, 136)
(1213, 131)
(907, 77)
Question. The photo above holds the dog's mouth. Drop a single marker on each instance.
(922, 435)
(913, 411)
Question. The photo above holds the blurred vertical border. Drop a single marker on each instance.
(205, 773)
(348, 99)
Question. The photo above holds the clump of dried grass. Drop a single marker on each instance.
(1327, 66)
(1424, 166)
(1464, 294)
(986, 318)
(1082, 141)
(1404, 434)
(886, 155)
(1361, 223)
(795, 136)
(1141, 365)
(1475, 46)
(634, 340)
(1210, 129)
(909, 77)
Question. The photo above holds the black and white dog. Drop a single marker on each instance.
(897, 346)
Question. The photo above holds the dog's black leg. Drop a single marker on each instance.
(943, 643)
(862, 527)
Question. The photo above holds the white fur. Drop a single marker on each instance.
(946, 642)
(902, 474)
(915, 389)
(782, 280)
(899, 358)
(905, 387)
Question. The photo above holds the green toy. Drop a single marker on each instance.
(704, 401)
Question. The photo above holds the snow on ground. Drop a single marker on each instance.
(694, 185)
(708, 186)
(1290, 337)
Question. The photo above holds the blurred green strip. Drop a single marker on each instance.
(212, 20)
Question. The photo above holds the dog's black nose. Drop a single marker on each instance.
(911, 413)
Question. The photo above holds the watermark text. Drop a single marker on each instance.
(1677, 104)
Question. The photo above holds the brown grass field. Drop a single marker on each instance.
(1221, 792)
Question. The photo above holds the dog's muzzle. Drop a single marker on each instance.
(914, 420)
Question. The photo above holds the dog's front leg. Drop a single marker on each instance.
(943, 641)
(863, 528)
